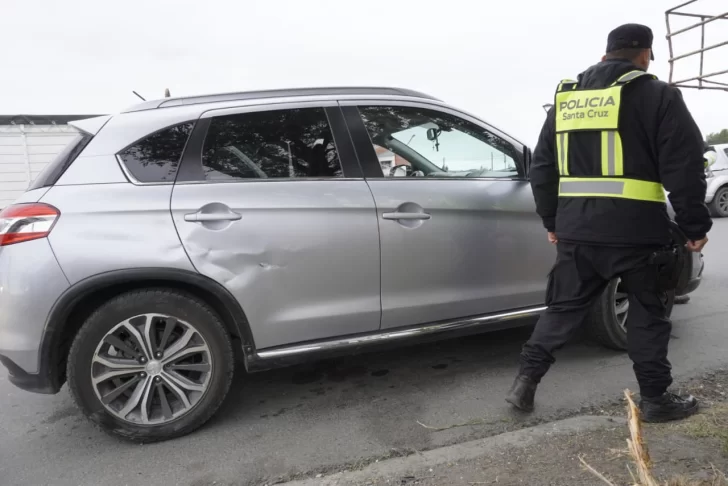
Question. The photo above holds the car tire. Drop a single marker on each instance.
(606, 321)
(178, 374)
(719, 205)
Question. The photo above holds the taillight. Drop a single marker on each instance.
(25, 222)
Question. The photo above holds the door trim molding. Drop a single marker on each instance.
(296, 353)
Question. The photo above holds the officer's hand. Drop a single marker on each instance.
(697, 246)
(552, 238)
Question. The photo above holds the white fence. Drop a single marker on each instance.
(25, 150)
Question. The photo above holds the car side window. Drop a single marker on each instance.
(279, 144)
(420, 142)
(156, 157)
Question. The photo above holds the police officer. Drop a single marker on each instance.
(614, 141)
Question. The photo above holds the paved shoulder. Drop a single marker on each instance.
(411, 465)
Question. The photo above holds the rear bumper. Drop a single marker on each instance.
(32, 382)
(30, 283)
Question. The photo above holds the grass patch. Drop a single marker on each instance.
(712, 424)
(717, 480)
(709, 424)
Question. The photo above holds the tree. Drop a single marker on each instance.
(718, 137)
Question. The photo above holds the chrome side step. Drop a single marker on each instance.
(393, 336)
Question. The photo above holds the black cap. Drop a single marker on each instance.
(630, 36)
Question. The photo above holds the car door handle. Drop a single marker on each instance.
(406, 216)
(199, 217)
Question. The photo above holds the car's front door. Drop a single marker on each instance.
(271, 203)
(459, 234)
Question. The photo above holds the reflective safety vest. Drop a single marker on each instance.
(597, 110)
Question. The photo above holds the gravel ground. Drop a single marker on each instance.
(689, 452)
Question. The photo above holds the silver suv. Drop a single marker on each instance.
(716, 196)
(274, 227)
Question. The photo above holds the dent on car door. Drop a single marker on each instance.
(272, 204)
(459, 234)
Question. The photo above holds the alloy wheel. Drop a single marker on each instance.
(151, 369)
(621, 306)
(723, 202)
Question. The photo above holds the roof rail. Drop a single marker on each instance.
(276, 93)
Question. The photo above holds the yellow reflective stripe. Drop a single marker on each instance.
(618, 155)
(612, 157)
(631, 76)
(605, 153)
(562, 152)
(613, 187)
(569, 83)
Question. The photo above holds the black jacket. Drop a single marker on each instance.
(660, 141)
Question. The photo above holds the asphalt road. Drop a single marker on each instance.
(348, 410)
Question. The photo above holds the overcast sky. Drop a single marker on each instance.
(498, 59)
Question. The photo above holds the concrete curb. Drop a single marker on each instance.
(402, 466)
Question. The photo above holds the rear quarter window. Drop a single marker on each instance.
(156, 158)
(53, 171)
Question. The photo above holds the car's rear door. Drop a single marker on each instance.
(459, 234)
(270, 202)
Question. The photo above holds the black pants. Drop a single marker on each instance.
(578, 278)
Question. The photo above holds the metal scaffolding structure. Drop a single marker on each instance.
(700, 81)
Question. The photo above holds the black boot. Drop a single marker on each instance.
(522, 393)
(667, 407)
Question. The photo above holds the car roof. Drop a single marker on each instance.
(277, 93)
